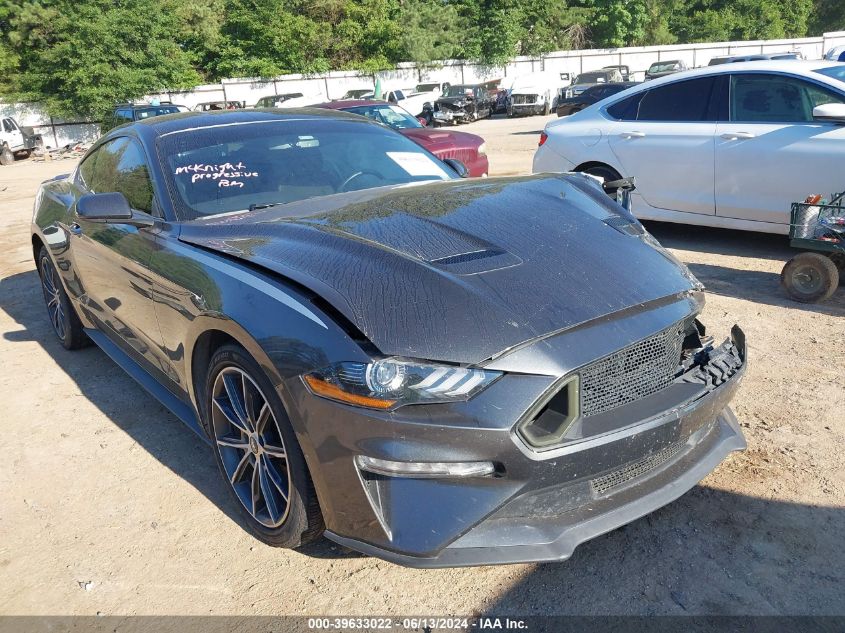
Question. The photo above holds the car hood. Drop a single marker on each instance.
(436, 140)
(460, 270)
(462, 100)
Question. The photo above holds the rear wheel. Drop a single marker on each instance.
(809, 277)
(257, 452)
(63, 317)
(606, 173)
(6, 155)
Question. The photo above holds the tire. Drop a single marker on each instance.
(607, 174)
(24, 153)
(809, 277)
(7, 157)
(838, 259)
(257, 455)
(63, 317)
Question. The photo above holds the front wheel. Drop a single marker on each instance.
(7, 157)
(809, 277)
(257, 452)
(63, 318)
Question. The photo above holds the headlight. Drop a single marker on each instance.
(393, 382)
(482, 149)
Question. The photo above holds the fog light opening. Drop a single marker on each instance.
(424, 470)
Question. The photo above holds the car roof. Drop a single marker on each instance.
(787, 66)
(183, 121)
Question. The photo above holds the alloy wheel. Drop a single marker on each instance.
(51, 286)
(251, 448)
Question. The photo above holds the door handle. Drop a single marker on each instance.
(75, 229)
(737, 136)
(632, 134)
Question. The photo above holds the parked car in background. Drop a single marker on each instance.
(356, 93)
(416, 103)
(835, 53)
(662, 69)
(587, 80)
(436, 87)
(530, 94)
(728, 146)
(500, 103)
(275, 101)
(16, 140)
(624, 70)
(226, 104)
(467, 148)
(128, 112)
(381, 352)
(592, 95)
(463, 103)
(733, 59)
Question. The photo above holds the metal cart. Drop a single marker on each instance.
(820, 229)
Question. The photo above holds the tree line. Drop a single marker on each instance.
(79, 57)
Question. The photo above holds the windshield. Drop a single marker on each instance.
(391, 115)
(357, 94)
(662, 67)
(458, 91)
(836, 72)
(240, 166)
(146, 113)
(591, 78)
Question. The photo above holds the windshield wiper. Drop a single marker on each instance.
(265, 205)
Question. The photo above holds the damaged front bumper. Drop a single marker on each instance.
(534, 505)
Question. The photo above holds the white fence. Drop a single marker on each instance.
(334, 84)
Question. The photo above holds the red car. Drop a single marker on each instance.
(467, 148)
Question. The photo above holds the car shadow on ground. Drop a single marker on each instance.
(759, 286)
(711, 552)
(715, 241)
(128, 405)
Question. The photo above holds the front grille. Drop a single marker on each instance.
(632, 373)
(600, 485)
(523, 99)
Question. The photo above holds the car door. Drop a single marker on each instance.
(665, 138)
(771, 153)
(12, 134)
(111, 260)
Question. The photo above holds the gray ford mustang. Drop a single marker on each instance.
(433, 370)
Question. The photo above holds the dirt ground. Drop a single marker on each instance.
(110, 505)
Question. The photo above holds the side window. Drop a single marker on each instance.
(121, 167)
(391, 97)
(8, 126)
(679, 101)
(626, 110)
(86, 169)
(776, 99)
(400, 95)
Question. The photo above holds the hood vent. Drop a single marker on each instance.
(476, 262)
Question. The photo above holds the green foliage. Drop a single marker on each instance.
(79, 57)
(725, 20)
(616, 23)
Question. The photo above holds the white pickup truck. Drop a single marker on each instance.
(16, 140)
(416, 103)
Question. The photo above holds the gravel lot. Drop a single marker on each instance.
(109, 505)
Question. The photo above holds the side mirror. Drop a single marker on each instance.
(109, 207)
(831, 112)
(458, 166)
